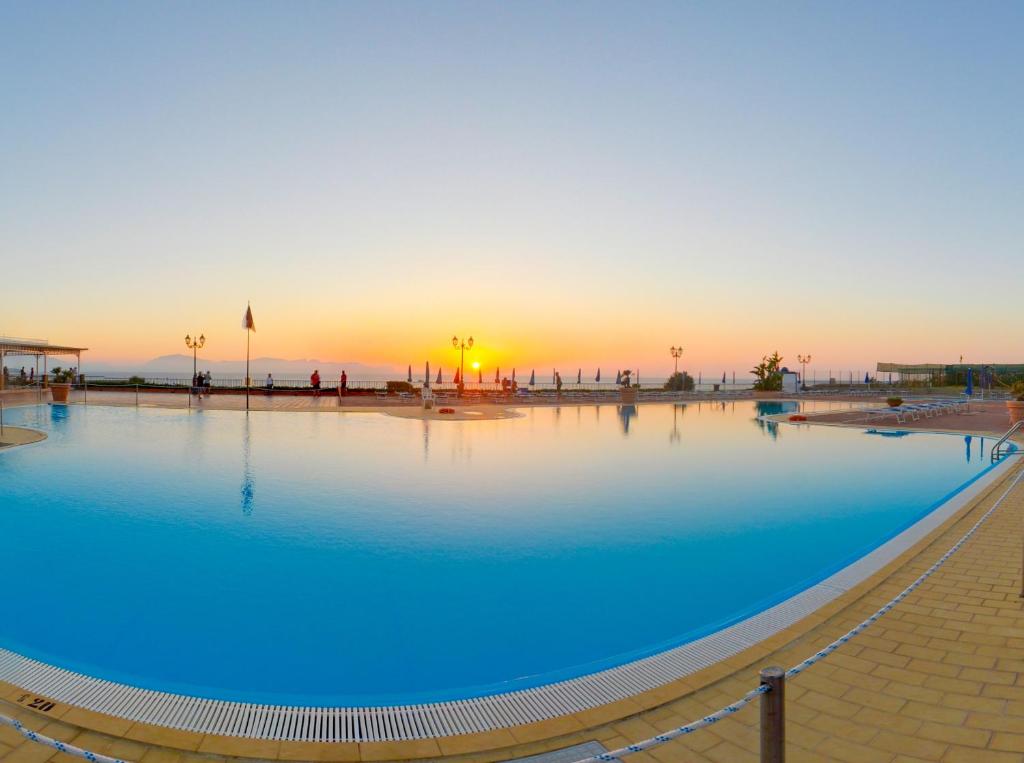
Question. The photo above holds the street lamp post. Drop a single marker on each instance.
(803, 360)
(462, 345)
(677, 353)
(195, 345)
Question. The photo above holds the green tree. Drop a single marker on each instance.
(768, 373)
(680, 381)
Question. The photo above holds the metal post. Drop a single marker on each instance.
(136, 395)
(773, 716)
(1, 418)
(85, 390)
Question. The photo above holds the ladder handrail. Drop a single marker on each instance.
(996, 449)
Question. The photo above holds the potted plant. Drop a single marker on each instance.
(894, 402)
(60, 383)
(1016, 404)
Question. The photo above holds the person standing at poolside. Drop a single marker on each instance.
(314, 382)
(343, 385)
(558, 384)
(269, 383)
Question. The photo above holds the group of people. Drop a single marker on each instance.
(314, 382)
(201, 382)
(29, 377)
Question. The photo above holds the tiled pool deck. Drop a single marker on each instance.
(940, 678)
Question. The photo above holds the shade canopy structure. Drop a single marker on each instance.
(11, 347)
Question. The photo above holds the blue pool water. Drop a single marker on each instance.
(354, 559)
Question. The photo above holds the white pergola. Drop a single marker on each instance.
(35, 349)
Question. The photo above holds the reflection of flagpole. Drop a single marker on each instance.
(247, 483)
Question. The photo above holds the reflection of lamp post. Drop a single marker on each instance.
(803, 361)
(673, 436)
(462, 345)
(677, 353)
(195, 345)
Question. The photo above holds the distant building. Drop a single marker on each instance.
(949, 373)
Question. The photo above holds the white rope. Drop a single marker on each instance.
(816, 657)
(70, 749)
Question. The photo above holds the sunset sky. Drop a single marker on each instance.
(575, 184)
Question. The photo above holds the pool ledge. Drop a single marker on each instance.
(532, 720)
(14, 437)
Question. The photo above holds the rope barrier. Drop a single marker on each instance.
(818, 656)
(70, 749)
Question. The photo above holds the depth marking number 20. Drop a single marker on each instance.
(38, 703)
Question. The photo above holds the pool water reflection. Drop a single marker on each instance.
(361, 559)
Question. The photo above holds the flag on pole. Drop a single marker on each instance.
(249, 325)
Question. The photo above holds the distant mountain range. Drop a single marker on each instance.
(299, 368)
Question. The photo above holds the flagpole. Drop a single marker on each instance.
(247, 333)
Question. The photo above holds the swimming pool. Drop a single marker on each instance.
(359, 559)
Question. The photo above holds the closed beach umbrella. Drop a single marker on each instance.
(579, 376)
(456, 379)
(867, 378)
(598, 377)
(479, 376)
(426, 375)
(970, 382)
(410, 374)
(513, 376)
(439, 379)
(618, 377)
(497, 375)
(723, 377)
(533, 378)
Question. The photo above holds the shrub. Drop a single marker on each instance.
(394, 387)
(62, 375)
(768, 373)
(136, 380)
(1017, 390)
(894, 402)
(679, 382)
